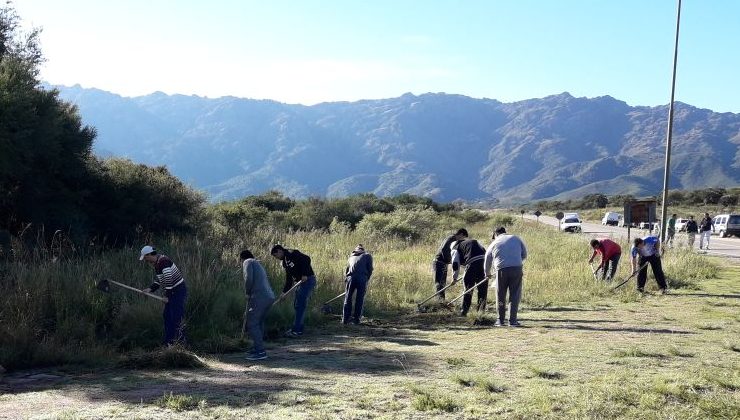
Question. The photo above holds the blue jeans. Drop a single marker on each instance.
(300, 303)
(174, 312)
(359, 286)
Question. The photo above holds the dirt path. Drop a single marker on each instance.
(662, 356)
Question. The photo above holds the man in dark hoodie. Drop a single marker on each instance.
(471, 254)
(357, 275)
(444, 258)
(259, 300)
(297, 269)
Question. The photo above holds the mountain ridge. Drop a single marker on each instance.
(440, 145)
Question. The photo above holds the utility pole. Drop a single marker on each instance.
(669, 136)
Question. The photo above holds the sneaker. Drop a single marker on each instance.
(514, 324)
(256, 355)
(499, 323)
(663, 291)
(293, 334)
(640, 290)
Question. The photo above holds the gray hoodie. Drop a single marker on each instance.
(256, 284)
(359, 266)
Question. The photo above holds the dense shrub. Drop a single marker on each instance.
(410, 224)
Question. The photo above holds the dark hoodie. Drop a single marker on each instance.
(359, 266)
(296, 265)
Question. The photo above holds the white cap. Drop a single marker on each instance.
(146, 250)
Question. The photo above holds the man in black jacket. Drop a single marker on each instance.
(444, 258)
(706, 227)
(297, 269)
(691, 230)
(471, 254)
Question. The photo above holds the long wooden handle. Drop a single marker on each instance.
(125, 286)
(438, 292)
(467, 291)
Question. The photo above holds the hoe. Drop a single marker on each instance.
(104, 285)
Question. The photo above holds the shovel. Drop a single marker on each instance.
(104, 286)
(325, 308)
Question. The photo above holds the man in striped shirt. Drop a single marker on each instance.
(168, 276)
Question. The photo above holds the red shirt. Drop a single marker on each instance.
(608, 249)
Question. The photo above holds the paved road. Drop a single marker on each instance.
(724, 247)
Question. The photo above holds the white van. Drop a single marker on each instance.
(571, 223)
(611, 219)
(727, 225)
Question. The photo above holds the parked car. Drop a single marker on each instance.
(611, 219)
(727, 225)
(681, 224)
(571, 223)
(650, 226)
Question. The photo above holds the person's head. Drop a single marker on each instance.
(461, 234)
(359, 249)
(706, 215)
(595, 243)
(691, 217)
(245, 255)
(149, 254)
(673, 216)
(499, 231)
(278, 251)
(639, 243)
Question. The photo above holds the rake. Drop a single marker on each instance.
(326, 308)
(418, 305)
(104, 286)
(283, 295)
(449, 304)
(630, 277)
(594, 271)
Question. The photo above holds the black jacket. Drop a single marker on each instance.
(444, 254)
(706, 224)
(296, 265)
(691, 227)
(469, 251)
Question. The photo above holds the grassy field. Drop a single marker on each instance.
(584, 351)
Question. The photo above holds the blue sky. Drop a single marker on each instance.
(309, 51)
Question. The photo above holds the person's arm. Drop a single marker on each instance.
(288, 280)
(593, 255)
(303, 266)
(369, 266)
(156, 281)
(248, 270)
(488, 261)
(455, 264)
(524, 249)
(633, 260)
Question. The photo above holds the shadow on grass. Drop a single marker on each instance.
(233, 381)
(565, 309)
(708, 295)
(583, 321)
(621, 329)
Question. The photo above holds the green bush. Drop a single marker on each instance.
(408, 224)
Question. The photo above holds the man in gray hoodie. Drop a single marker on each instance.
(357, 275)
(259, 300)
(506, 255)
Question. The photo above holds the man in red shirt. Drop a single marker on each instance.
(610, 252)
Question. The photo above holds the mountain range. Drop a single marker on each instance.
(438, 145)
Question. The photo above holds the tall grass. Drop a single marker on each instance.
(51, 311)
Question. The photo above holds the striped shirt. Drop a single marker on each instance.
(166, 274)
